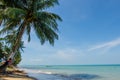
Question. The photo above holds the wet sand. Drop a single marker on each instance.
(16, 75)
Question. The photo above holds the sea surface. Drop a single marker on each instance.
(73, 72)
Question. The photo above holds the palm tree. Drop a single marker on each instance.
(7, 43)
(30, 15)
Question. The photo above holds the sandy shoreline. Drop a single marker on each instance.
(16, 75)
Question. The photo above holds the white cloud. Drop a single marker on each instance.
(61, 56)
(68, 55)
(107, 45)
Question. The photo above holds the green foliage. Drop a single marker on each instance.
(1, 54)
(7, 42)
(32, 15)
(24, 15)
(17, 58)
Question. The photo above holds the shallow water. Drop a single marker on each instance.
(74, 72)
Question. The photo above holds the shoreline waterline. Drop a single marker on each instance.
(73, 72)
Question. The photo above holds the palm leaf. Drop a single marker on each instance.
(44, 4)
(28, 32)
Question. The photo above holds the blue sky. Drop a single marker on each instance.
(88, 34)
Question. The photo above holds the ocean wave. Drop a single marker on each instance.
(77, 76)
(45, 75)
(35, 71)
(45, 72)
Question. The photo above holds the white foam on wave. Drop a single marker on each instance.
(35, 71)
(29, 70)
(44, 72)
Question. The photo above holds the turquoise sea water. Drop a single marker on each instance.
(74, 72)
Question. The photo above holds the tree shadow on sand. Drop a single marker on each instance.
(16, 74)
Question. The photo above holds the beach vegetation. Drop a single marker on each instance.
(7, 43)
(25, 16)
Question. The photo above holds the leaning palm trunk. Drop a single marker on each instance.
(17, 42)
(14, 49)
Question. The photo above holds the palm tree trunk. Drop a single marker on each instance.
(15, 47)
(19, 37)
